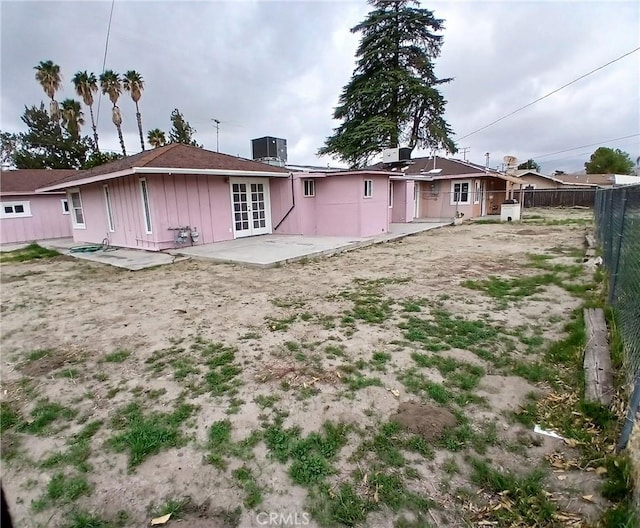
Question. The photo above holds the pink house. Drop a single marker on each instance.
(443, 188)
(27, 215)
(179, 194)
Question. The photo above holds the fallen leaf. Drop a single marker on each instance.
(562, 477)
(161, 520)
(601, 470)
(588, 498)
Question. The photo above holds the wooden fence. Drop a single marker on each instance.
(557, 197)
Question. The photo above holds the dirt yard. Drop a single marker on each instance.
(388, 386)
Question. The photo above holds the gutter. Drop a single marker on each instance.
(160, 170)
(293, 204)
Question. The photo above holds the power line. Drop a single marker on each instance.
(549, 94)
(576, 155)
(585, 146)
(104, 59)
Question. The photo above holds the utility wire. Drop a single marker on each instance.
(576, 155)
(585, 146)
(548, 95)
(104, 59)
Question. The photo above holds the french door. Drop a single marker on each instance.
(251, 208)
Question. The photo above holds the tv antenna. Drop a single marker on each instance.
(217, 125)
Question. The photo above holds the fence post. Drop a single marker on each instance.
(627, 428)
(615, 268)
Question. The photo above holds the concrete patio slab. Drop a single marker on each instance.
(271, 250)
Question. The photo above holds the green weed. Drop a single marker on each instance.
(253, 493)
(31, 252)
(143, 435)
(62, 489)
(44, 414)
(117, 357)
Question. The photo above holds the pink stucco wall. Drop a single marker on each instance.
(46, 221)
(338, 208)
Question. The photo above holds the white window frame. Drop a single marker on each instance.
(109, 209)
(477, 191)
(390, 194)
(309, 188)
(64, 203)
(368, 188)
(146, 206)
(72, 209)
(26, 209)
(461, 192)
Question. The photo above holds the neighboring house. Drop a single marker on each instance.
(439, 188)
(598, 180)
(532, 179)
(27, 215)
(179, 194)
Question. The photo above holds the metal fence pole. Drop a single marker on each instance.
(627, 428)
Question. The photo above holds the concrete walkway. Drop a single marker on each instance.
(271, 250)
(260, 251)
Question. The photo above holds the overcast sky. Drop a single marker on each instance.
(277, 68)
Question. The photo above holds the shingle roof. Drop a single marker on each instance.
(421, 166)
(174, 156)
(26, 181)
(587, 179)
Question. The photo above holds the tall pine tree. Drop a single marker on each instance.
(392, 98)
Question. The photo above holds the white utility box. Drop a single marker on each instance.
(510, 212)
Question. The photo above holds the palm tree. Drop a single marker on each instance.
(156, 138)
(86, 85)
(112, 86)
(48, 75)
(72, 117)
(133, 83)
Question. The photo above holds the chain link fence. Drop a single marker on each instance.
(617, 216)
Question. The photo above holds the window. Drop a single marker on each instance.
(107, 203)
(65, 206)
(390, 193)
(145, 205)
(15, 210)
(77, 214)
(460, 193)
(368, 188)
(309, 188)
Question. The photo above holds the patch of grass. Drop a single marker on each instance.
(221, 447)
(445, 331)
(31, 252)
(44, 414)
(35, 355)
(78, 452)
(62, 489)
(253, 493)
(9, 416)
(357, 381)
(175, 507)
(143, 435)
(263, 401)
(528, 504)
(83, 519)
(369, 305)
(277, 325)
(117, 356)
(379, 361)
(334, 351)
(223, 371)
(511, 289)
(460, 374)
(535, 372)
(250, 335)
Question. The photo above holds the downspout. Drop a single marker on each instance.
(293, 203)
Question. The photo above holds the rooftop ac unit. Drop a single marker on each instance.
(395, 155)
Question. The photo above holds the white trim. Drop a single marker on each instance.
(368, 188)
(65, 202)
(108, 208)
(308, 185)
(453, 192)
(73, 209)
(164, 170)
(25, 213)
(390, 194)
(252, 231)
(146, 206)
(476, 191)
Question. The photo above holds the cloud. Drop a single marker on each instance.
(277, 68)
